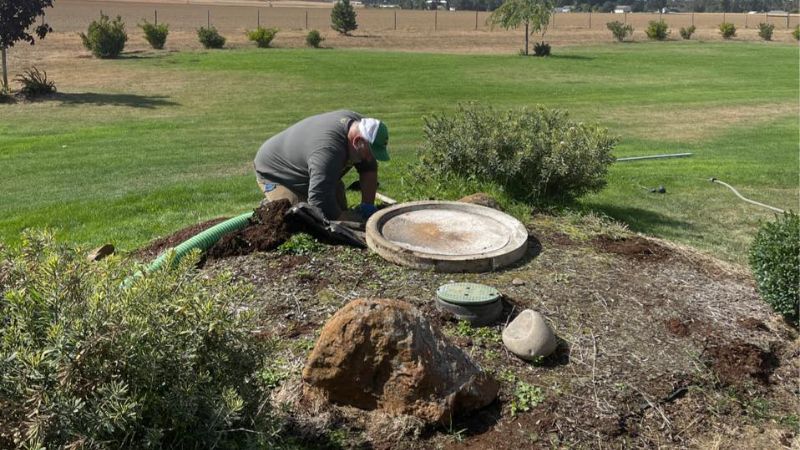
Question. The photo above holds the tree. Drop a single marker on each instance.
(15, 18)
(535, 14)
(343, 17)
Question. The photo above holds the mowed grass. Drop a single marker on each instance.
(147, 144)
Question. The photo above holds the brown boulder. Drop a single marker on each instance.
(383, 354)
(482, 199)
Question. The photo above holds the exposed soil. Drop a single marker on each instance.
(155, 248)
(267, 230)
(736, 362)
(635, 247)
(677, 326)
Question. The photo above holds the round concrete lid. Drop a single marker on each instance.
(446, 236)
(467, 294)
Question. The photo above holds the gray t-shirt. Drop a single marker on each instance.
(310, 157)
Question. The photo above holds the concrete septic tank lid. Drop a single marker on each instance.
(446, 236)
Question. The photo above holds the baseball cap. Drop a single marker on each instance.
(377, 134)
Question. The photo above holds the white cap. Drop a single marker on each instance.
(368, 128)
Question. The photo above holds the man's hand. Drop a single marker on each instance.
(366, 210)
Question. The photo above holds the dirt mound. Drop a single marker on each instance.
(737, 361)
(155, 248)
(633, 247)
(677, 327)
(267, 230)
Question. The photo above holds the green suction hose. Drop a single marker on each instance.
(203, 240)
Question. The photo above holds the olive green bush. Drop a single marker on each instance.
(314, 39)
(105, 38)
(686, 33)
(155, 34)
(535, 155)
(210, 37)
(88, 360)
(775, 262)
(796, 33)
(657, 30)
(620, 30)
(765, 31)
(727, 30)
(35, 83)
(262, 36)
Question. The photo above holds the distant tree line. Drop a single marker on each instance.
(732, 6)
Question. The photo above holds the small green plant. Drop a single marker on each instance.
(534, 155)
(35, 83)
(657, 30)
(541, 49)
(343, 17)
(775, 262)
(765, 31)
(155, 34)
(686, 33)
(796, 33)
(105, 38)
(262, 36)
(210, 37)
(314, 39)
(620, 30)
(727, 30)
(300, 244)
(525, 397)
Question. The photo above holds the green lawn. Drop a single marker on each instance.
(170, 142)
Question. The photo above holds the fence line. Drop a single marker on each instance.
(76, 15)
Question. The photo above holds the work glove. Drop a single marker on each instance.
(366, 210)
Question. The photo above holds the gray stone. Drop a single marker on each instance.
(529, 337)
(518, 282)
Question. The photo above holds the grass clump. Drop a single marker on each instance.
(775, 262)
(314, 39)
(105, 38)
(620, 30)
(262, 36)
(657, 30)
(300, 244)
(687, 32)
(536, 155)
(765, 31)
(541, 49)
(727, 30)
(210, 37)
(167, 360)
(155, 34)
(35, 83)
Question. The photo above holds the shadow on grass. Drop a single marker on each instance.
(132, 100)
(571, 57)
(637, 219)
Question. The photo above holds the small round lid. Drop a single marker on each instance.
(467, 293)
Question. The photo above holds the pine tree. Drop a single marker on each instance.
(343, 17)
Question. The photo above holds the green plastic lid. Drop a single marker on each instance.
(467, 293)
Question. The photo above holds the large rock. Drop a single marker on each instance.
(383, 354)
(529, 337)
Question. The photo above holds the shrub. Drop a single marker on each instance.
(35, 83)
(541, 49)
(210, 38)
(765, 31)
(262, 36)
(167, 361)
(156, 35)
(314, 39)
(533, 155)
(687, 32)
(727, 30)
(343, 17)
(796, 33)
(105, 38)
(300, 244)
(775, 262)
(620, 30)
(657, 30)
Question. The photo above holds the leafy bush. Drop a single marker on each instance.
(210, 38)
(620, 30)
(300, 244)
(765, 31)
(168, 360)
(657, 30)
(727, 30)
(314, 39)
(35, 83)
(343, 17)
(687, 32)
(156, 35)
(262, 36)
(541, 49)
(532, 154)
(796, 33)
(105, 38)
(775, 262)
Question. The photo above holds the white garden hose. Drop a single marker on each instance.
(714, 180)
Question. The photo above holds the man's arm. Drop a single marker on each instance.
(324, 170)
(369, 186)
